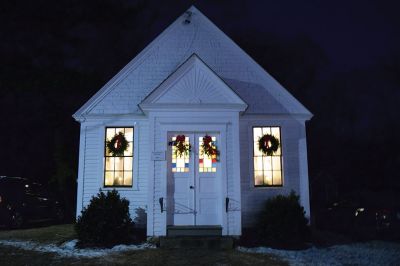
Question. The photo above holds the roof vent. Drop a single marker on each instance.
(188, 17)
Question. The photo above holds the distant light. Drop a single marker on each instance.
(26, 185)
(359, 210)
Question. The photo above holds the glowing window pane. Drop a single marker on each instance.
(127, 178)
(129, 150)
(110, 133)
(276, 162)
(129, 134)
(109, 163)
(118, 170)
(267, 163)
(109, 178)
(119, 178)
(267, 169)
(180, 163)
(268, 177)
(258, 164)
(277, 178)
(258, 178)
(127, 163)
(119, 163)
(207, 163)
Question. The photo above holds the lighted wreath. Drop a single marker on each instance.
(181, 147)
(209, 147)
(268, 144)
(118, 144)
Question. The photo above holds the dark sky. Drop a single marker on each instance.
(340, 58)
(353, 33)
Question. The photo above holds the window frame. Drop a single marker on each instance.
(105, 156)
(252, 158)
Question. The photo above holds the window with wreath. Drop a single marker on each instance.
(267, 156)
(118, 157)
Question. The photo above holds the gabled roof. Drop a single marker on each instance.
(193, 85)
(123, 93)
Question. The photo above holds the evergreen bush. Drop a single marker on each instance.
(105, 222)
(282, 222)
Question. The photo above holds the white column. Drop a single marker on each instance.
(303, 170)
(81, 169)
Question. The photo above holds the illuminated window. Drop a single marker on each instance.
(267, 169)
(118, 170)
(207, 163)
(180, 163)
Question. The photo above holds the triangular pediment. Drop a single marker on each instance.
(193, 84)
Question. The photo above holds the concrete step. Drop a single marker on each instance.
(190, 242)
(204, 230)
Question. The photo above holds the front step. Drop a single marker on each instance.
(204, 230)
(210, 242)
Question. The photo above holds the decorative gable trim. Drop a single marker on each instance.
(193, 84)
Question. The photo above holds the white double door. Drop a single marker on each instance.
(194, 183)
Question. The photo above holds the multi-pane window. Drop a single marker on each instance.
(207, 163)
(180, 163)
(118, 170)
(267, 169)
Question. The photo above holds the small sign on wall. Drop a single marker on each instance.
(158, 156)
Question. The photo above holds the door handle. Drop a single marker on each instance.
(191, 187)
(161, 201)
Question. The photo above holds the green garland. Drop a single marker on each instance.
(209, 148)
(181, 147)
(268, 144)
(118, 144)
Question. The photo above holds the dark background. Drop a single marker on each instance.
(341, 59)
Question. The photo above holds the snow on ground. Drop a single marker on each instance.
(68, 249)
(369, 253)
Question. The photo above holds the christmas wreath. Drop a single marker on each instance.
(181, 147)
(268, 144)
(209, 148)
(118, 144)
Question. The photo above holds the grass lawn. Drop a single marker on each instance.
(61, 233)
(55, 234)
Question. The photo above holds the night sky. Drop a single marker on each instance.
(341, 59)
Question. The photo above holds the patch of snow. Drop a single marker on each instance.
(68, 249)
(369, 253)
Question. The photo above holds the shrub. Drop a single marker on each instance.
(282, 222)
(105, 222)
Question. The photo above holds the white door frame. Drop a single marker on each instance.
(197, 127)
(189, 187)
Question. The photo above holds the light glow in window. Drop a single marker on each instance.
(267, 169)
(207, 163)
(118, 170)
(180, 163)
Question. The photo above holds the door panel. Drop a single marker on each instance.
(208, 211)
(180, 179)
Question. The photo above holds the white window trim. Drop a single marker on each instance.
(135, 183)
(251, 154)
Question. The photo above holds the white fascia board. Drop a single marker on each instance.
(304, 117)
(167, 107)
(101, 117)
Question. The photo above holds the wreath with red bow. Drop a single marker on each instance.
(268, 144)
(118, 144)
(209, 148)
(181, 147)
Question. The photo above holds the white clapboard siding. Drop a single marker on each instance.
(253, 198)
(92, 179)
